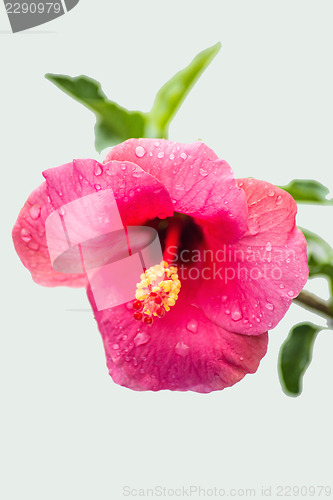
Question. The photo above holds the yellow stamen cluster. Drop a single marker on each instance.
(157, 291)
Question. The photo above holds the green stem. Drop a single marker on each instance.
(313, 303)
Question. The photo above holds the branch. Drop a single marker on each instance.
(313, 303)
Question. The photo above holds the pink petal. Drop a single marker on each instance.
(140, 197)
(264, 271)
(31, 245)
(200, 184)
(182, 351)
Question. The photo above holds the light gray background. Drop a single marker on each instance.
(265, 105)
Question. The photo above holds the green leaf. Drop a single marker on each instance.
(170, 97)
(114, 124)
(296, 356)
(308, 191)
(320, 257)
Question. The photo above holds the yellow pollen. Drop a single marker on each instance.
(157, 291)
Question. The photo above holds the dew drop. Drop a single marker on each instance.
(98, 187)
(203, 172)
(192, 326)
(172, 156)
(181, 349)
(291, 293)
(33, 245)
(61, 211)
(271, 192)
(281, 286)
(269, 306)
(183, 156)
(268, 246)
(140, 151)
(98, 170)
(227, 311)
(25, 235)
(240, 183)
(136, 173)
(269, 325)
(236, 315)
(278, 200)
(124, 166)
(180, 187)
(35, 211)
(115, 347)
(160, 154)
(141, 338)
(156, 144)
(224, 298)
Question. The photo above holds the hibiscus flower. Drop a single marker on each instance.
(233, 260)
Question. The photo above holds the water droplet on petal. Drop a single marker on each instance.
(182, 349)
(183, 156)
(236, 315)
(115, 347)
(281, 286)
(98, 187)
(141, 338)
(25, 235)
(33, 245)
(240, 183)
(124, 166)
(278, 200)
(172, 156)
(156, 144)
(271, 192)
(291, 293)
(269, 306)
(136, 173)
(268, 246)
(192, 326)
(61, 211)
(35, 211)
(227, 311)
(98, 170)
(224, 298)
(140, 151)
(203, 172)
(160, 154)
